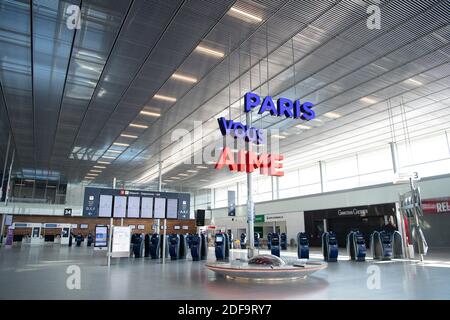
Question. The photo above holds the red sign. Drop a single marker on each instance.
(267, 163)
(435, 206)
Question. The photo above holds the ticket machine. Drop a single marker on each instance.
(329, 246)
(269, 236)
(243, 241)
(220, 246)
(275, 244)
(154, 247)
(303, 245)
(356, 246)
(196, 244)
(283, 241)
(65, 235)
(174, 246)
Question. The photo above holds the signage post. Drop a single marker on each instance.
(250, 204)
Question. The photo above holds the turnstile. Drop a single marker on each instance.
(275, 244)
(243, 241)
(381, 245)
(256, 240)
(283, 241)
(330, 246)
(303, 246)
(196, 245)
(356, 246)
(154, 246)
(137, 244)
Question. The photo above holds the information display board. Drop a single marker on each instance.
(160, 208)
(120, 206)
(146, 207)
(121, 241)
(134, 204)
(101, 202)
(172, 208)
(101, 236)
(105, 207)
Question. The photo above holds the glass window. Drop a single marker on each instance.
(341, 168)
(375, 160)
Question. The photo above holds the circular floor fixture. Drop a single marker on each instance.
(265, 267)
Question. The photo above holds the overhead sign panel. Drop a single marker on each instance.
(105, 207)
(98, 202)
(134, 204)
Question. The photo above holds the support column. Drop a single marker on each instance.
(165, 220)
(322, 176)
(111, 225)
(250, 204)
(394, 156)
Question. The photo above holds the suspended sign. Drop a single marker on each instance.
(248, 161)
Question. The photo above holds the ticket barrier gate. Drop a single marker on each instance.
(177, 246)
(147, 245)
(154, 246)
(174, 246)
(356, 246)
(303, 246)
(90, 239)
(275, 244)
(256, 240)
(381, 245)
(269, 238)
(283, 241)
(196, 246)
(397, 246)
(221, 246)
(79, 240)
(137, 244)
(330, 246)
(243, 241)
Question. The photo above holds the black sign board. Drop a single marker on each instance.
(200, 218)
(67, 212)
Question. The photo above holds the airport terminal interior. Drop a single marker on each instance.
(225, 150)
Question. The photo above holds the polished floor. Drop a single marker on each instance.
(29, 272)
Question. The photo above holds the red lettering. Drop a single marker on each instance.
(267, 163)
(226, 158)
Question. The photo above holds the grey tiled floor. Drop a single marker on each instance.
(40, 273)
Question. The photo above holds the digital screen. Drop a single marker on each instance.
(172, 208)
(84, 226)
(120, 206)
(160, 208)
(105, 207)
(219, 239)
(147, 208)
(134, 204)
(101, 236)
